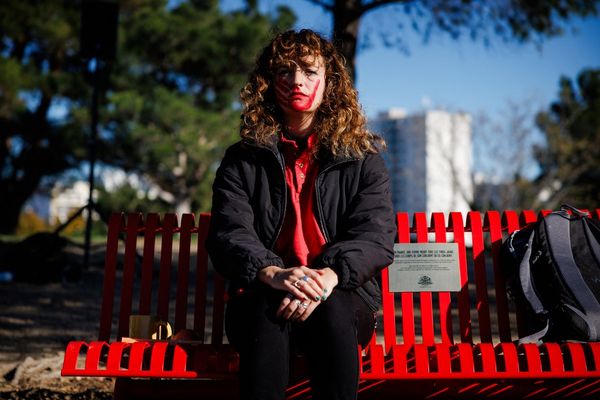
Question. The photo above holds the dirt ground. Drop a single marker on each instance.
(36, 323)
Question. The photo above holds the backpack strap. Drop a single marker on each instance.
(559, 240)
(592, 242)
(530, 294)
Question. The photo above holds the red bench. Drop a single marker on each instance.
(430, 345)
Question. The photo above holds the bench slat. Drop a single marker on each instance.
(493, 223)
(134, 223)
(115, 355)
(465, 358)
(443, 359)
(464, 309)
(575, 352)
(152, 224)
(201, 277)
(425, 298)
(438, 222)
(166, 253)
(488, 357)
(555, 357)
(509, 356)
(110, 270)
(475, 225)
(94, 351)
(533, 360)
(406, 304)
(183, 271)
(158, 354)
(389, 315)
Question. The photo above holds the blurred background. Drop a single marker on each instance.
(128, 106)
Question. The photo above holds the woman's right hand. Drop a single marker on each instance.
(301, 282)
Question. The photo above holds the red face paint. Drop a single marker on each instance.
(302, 102)
(292, 97)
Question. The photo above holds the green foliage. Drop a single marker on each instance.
(38, 69)
(570, 161)
(126, 198)
(175, 86)
(170, 109)
(30, 223)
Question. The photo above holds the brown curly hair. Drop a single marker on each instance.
(339, 121)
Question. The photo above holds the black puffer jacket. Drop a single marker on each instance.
(354, 211)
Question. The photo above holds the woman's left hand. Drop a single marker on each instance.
(329, 281)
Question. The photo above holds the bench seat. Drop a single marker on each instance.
(163, 359)
(429, 344)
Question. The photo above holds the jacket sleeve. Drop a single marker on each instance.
(365, 239)
(232, 243)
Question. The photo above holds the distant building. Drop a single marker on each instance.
(58, 202)
(429, 158)
(67, 200)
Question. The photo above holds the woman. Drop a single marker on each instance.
(302, 222)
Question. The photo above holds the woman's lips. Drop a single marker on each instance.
(298, 95)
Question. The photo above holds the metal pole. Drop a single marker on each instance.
(92, 156)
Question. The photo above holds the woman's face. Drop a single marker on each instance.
(300, 88)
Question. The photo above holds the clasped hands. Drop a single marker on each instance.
(306, 287)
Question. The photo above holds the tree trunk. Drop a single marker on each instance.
(346, 17)
(13, 201)
(9, 216)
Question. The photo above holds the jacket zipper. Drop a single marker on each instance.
(282, 219)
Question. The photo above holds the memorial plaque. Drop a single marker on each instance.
(425, 267)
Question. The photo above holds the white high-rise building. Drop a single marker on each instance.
(429, 159)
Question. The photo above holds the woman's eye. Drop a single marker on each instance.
(284, 71)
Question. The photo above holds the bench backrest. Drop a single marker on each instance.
(178, 282)
(158, 265)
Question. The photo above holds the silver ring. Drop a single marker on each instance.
(298, 302)
(304, 305)
(299, 283)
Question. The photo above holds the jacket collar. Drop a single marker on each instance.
(325, 158)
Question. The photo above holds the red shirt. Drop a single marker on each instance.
(301, 239)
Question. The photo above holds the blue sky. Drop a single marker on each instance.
(459, 75)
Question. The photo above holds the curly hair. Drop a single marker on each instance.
(339, 121)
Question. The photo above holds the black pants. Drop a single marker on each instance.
(329, 339)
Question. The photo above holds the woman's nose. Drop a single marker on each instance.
(298, 77)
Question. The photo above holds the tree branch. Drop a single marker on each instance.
(378, 3)
(325, 5)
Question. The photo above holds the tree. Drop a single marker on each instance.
(171, 104)
(39, 70)
(516, 20)
(503, 150)
(570, 160)
(175, 89)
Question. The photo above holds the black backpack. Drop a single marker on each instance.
(552, 270)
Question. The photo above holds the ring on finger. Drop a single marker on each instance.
(298, 302)
(304, 305)
(305, 278)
